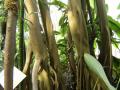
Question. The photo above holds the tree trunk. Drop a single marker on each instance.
(51, 43)
(10, 43)
(71, 59)
(28, 59)
(21, 55)
(105, 56)
(36, 41)
(79, 35)
(70, 53)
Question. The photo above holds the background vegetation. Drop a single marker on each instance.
(55, 58)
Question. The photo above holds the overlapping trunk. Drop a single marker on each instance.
(51, 43)
(79, 35)
(48, 27)
(105, 56)
(71, 54)
(71, 59)
(36, 40)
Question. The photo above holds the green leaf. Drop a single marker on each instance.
(62, 20)
(114, 25)
(64, 30)
(96, 68)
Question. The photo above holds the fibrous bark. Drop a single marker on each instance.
(70, 53)
(79, 35)
(11, 7)
(105, 56)
(51, 43)
(36, 40)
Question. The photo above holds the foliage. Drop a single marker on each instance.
(62, 40)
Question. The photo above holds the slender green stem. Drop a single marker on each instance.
(21, 39)
(21, 34)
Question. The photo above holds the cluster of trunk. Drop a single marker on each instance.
(46, 71)
(77, 18)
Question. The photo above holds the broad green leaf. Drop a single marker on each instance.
(96, 68)
(114, 25)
